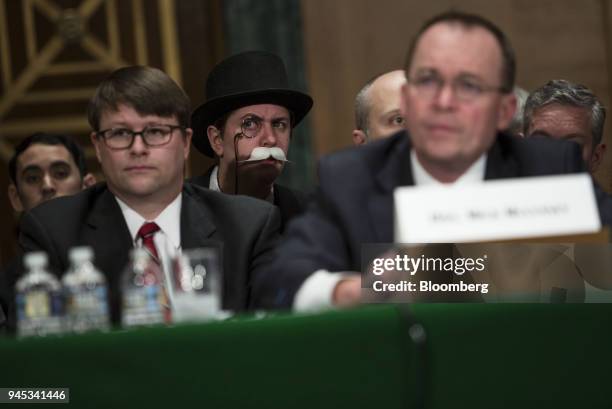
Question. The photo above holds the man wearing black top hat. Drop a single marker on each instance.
(248, 114)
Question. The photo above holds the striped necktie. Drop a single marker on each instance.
(146, 233)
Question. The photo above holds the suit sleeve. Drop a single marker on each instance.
(314, 241)
(34, 236)
(262, 253)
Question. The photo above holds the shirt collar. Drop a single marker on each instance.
(169, 220)
(474, 174)
(213, 184)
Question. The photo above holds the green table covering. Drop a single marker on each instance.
(471, 356)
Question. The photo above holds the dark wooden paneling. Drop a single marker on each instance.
(201, 46)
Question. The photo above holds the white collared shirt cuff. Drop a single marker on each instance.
(317, 291)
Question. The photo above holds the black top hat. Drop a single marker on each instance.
(249, 78)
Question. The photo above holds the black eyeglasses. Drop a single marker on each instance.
(123, 138)
(429, 85)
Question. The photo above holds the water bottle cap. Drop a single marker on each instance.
(36, 259)
(80, 254)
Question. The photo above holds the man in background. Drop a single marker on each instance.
(45, 166)
(377, 108)
(561, 109)
(246, 123)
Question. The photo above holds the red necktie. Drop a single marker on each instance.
(146, 233)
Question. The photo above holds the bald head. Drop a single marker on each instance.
(377, 108)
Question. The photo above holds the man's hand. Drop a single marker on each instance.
(347, 292)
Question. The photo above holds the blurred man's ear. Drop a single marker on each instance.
(507, 108)
(14, 198)
(89, 180)
(95, 142)
(359, 137)
(597, 157)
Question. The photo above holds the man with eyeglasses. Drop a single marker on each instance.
(246, 123)
(141, 136)
(458, 97)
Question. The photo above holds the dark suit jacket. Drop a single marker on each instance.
(3, 304)
(245, 228)
(354, 205)
(5, 290)
(290, 202)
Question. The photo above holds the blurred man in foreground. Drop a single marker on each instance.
(458, 98)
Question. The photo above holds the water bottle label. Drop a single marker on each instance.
(39, 313)
(141, 306)
(86, 309)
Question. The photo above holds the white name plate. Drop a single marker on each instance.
(496, 210)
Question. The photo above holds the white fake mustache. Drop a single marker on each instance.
(263, 153)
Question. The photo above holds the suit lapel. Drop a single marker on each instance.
(196, 223)
(395, 172)
(108, 234)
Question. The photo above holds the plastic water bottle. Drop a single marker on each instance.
(142, 291)
(85, 292)
(38, 298)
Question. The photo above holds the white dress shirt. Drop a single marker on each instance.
(421, 177)
(167, 240)
(317, 290)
